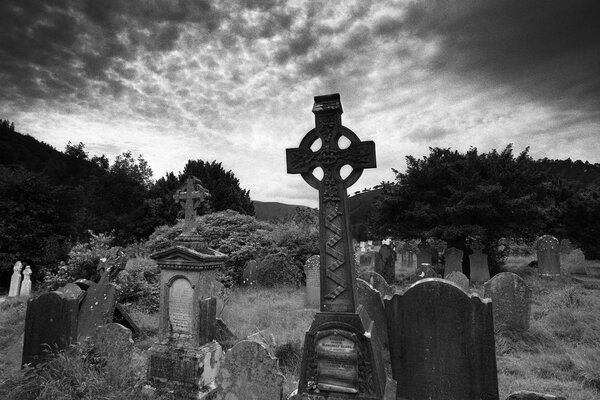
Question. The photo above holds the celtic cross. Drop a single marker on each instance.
(192, 194)
(337, 270)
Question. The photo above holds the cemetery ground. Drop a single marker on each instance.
(559, 354)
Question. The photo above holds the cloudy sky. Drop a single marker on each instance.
(234, 81)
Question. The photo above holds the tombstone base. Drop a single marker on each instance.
(195, 368)
(342, 359)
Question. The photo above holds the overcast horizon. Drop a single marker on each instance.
(234, 81)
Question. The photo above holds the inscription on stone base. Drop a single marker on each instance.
(337, 362)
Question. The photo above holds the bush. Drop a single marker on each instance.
(139, 283)
(278, 269)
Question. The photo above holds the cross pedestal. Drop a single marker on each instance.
(341, 359)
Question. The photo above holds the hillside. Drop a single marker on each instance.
(270, 210)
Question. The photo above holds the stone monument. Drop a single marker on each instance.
(15, 280)
(480, 271)
(425, 254)
(511, 301)
(341, 359)
(313, 284)
(187, 353)
(452, 260)
(548, 256)
(26, 284)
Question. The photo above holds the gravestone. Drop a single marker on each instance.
(313, 284)
(566, 246)
(388, 258)
(459, 279)
(452, 260)
(478, 261)
(250, 273)
(114, 339)
(442, 343)
(423, 271)
(372, 300)
(367, 260)
(339, 358)
(50, 325)
(425, 254)
(187, 353)
(15, 280)
(511, 301)
(547, 248)
(26, 284)
(248, 372)
(378, 263)
(378, 282)
(72, 291)
(97, 309)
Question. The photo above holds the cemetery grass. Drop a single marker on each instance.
(559, 354)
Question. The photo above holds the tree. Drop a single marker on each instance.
(457, 197)
(224, 187)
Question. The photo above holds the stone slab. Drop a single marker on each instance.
(97, 309)
(312, 271)
(511, 301)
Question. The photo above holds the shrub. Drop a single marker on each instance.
(278, 269)
(139, 283)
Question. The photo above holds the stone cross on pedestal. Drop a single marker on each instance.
(339, 354)
(337, 272)
(192, 195)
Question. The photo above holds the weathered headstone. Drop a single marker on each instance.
(425, 254)
(250, 273)
(339, 357)
(313, 284)
(15, 280)
(480, 271)
(378, 282)
(26, 284)
(372, 300)
(547, 248)
(248, 372)
(459, 279)
(72, 291)
(50, 325)
(97, 309)
(511, 301)
(452, 260)
(114, 340)
(388, 258)
(566, 246)
(423, 271)
(442, 343)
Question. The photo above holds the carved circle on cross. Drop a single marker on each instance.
(329, 156)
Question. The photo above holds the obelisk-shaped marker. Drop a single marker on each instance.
(337, 271)
(341, 357)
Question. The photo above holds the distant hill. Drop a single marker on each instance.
(270, 210)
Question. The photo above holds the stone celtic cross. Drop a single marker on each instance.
(337, 270)
(192, 195)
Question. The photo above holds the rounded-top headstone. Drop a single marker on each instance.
(371, 299)
(460, 279)
(377, 281)
(511, 301)
(313, 282)
(548, 247)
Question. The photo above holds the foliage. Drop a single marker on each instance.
(278, 269)
(139, 284)
(453, 196)
(580, 219)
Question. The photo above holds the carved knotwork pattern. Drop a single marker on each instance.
(326, 126)
(335, 257)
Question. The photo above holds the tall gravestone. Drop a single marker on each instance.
(511, 301)
(50, 325)
(372, 300)
(425, 254)
(480, 271)
(15, 280)
(452, 260)
(442, 343)
(388, 258)
(187, 353)
(548, 256)
(340, 359)
(248, 372)
(313, 284)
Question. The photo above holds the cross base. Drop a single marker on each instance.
(341, 359)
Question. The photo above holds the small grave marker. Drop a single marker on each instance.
(26, 284)
(478, 261)
(511, 301)
(425, 254)
(453, 260)
(442, 343)
(547, 248)
(460, 279)
(313, 284)
(372, 300)
(248, 372)
(15, 280)
(388, 258)
(97, 309)
(378, 282)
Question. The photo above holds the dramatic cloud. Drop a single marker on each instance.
(234, 81)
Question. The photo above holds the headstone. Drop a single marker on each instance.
(367, 260)
(250, 273)
(248, 372)
(26, 284)
(566, 246)
(50, 325)
(121, 316)
(114, 339)
(452, 260)
(574, 262)
(547, 248)
(378, 263)
(388, 258)
(511, 301)
(478, 261)
(423, 271)
(97, 309)
(442, 343)
(459, 279)
(425, 254)
(339, 356)
(72, 291)
(84, 284)
(313, 282)
(372, 300)
(378, 282)
(15, 280)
